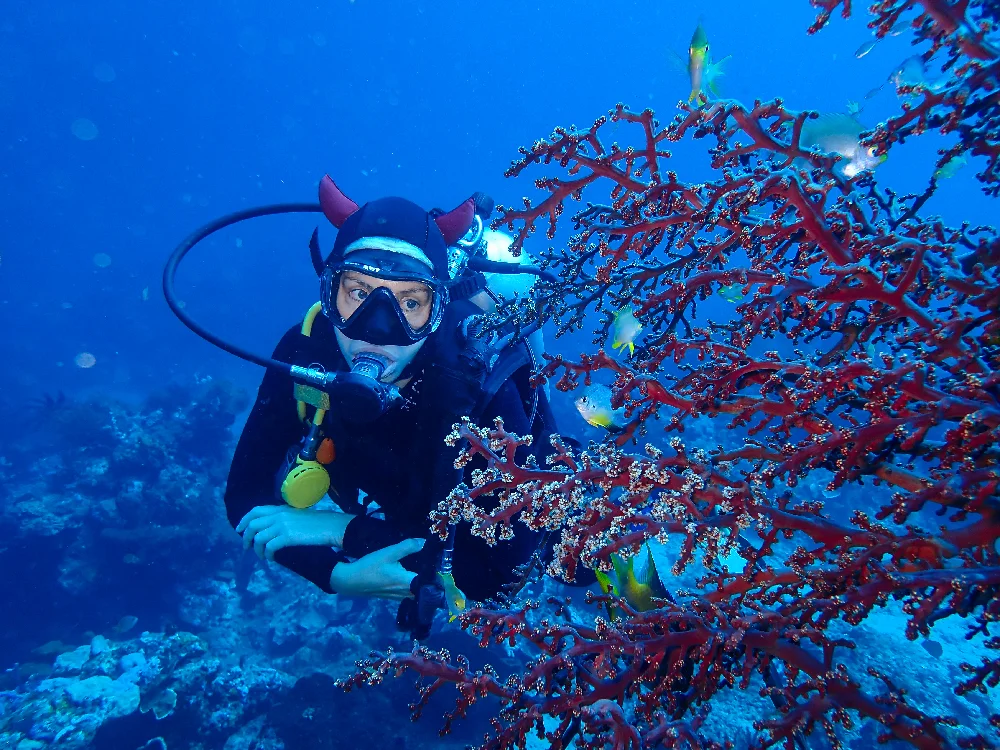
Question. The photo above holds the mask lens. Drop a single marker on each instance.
(367, 310)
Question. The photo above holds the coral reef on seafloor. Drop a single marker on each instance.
(134, 617)
(98, 494)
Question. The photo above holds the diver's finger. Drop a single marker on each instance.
(262, 539)
(257, 512)
(397, 552)
(274, 544)
(253, 528)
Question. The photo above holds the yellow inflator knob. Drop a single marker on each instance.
(305, 485)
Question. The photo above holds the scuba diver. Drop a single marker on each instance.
(372, 381)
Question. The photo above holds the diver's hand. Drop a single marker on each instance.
(378, 573)
(269, 528)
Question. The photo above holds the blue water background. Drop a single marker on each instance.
(223, 106)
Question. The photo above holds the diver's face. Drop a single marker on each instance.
(414, 299)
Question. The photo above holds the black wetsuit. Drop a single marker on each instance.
(392, 460)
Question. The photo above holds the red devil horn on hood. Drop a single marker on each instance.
(336, 206)
(456, 223)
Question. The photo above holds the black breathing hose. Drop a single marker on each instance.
(170, 271)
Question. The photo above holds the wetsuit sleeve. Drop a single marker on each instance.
(271, 429)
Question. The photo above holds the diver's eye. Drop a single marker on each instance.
(411, 304)
(358, 294)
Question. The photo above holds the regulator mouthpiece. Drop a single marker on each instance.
(360, 396)
(369, 365)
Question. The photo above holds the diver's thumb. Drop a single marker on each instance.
(406, 547)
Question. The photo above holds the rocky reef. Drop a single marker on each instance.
(105, 506)
(134, 617)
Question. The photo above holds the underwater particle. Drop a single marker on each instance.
(66, 305)
(145, 293)
(84, 129)
(319, 39)
(104, 73)
(102, 260)
(85, 360)
(239, 242)
(251, 41)
(131, 559)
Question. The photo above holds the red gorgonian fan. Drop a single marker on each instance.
(863, 349)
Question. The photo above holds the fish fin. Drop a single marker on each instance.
(616, 344)
(675, 62)
(631, 348)
(605, 582)
(650, 576)
(714, 71)
(830, 124)
(599, 421)
(623, 568)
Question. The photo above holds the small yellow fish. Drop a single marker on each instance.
(635, 580)
(950, 168)
(701, 69)
(732, 293)
(453, 595)
(624, 329)
(595, 407)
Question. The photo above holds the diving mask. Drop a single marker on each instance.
(380, 319)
